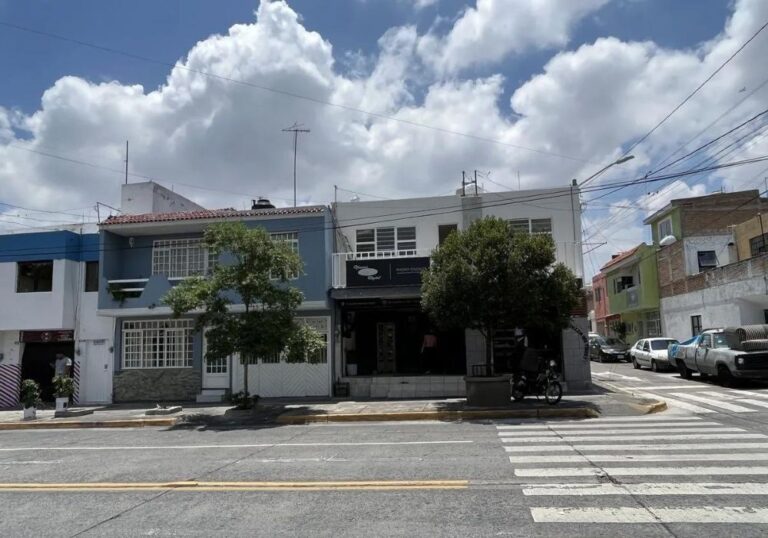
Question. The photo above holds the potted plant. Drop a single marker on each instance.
(30, 398)
(351, 363)
(63, 388)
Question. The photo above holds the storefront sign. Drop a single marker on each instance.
(385, 272)
(47, 336)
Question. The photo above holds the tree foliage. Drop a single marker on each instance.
(489, 278)
(246, 304)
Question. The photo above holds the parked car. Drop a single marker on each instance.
(734, 352)
(603, 349)
(652, 352)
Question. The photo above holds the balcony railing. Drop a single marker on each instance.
(340, 259)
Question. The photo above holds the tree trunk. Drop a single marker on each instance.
(245, 375)
(489, 352)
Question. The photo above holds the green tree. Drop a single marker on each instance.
(489, 278)
(247, 305)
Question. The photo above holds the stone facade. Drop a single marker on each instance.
(169, 384)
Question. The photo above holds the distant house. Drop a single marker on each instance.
(633, 298)
(705, 280)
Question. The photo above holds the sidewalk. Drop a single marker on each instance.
(279, 411)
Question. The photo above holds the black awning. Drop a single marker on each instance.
(381, 292)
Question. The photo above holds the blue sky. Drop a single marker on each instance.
(167, 30)
(549, 89)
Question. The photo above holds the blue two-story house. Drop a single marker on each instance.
(159, 358)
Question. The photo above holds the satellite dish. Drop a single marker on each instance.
(667, 240)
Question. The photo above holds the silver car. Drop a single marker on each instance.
(652, 352)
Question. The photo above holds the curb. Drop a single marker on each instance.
(573, 412)
(79, 424)
(646, 409)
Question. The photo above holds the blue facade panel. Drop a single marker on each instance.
(56, 245)
(121, 260)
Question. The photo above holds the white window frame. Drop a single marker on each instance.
(156, 344)
(402, 242)
(516, 225)
(292, 238)
(663, 223)
(180, 258)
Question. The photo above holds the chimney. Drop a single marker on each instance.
(261, 203)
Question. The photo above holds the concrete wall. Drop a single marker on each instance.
(149, 197)
(121, 261)
(427, 214)
(729, 295)
(718, 243)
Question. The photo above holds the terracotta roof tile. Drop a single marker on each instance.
(210, 214)
(620, 257)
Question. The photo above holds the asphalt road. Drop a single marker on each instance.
(679, 473)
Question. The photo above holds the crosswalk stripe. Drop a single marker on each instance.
(649, 429)
(634, 437)
(750, 393)
(649, 488)
(624, 448)
(641, 418)
(714, 394)
(610, 425)
(675, 402)
(702, 514)
(714, 403)
(758, 403)
(669, 387)
(639, 471)
(629, 458)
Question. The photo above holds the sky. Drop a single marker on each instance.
(400, 97)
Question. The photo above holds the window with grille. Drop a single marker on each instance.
(216, 366)
(179, 258)
(707, 259)
(388, 240)
(541, 226)
(520, 225)
(158, 343)
(757, 245)
(665, 228)
(531, 226)
(695, 325)
(292, 238)
(653, 323)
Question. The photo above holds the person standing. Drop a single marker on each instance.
(62, 366)
(429, 351)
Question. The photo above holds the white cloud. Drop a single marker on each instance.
(588, 103)
(495, 28)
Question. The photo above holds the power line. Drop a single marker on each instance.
(422, 213)
(285, 93)
(694, 92)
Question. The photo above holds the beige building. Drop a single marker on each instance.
(751, 236)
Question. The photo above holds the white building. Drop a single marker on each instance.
(382, 247)
(48, 289)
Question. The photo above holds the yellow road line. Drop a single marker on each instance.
(238, 486)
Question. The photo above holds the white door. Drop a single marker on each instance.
(95, 372)
(216, 372)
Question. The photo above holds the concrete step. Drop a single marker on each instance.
(211, 396)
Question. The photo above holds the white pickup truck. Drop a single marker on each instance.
(735, 352)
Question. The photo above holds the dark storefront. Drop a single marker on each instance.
(40, 349)
(384, 331)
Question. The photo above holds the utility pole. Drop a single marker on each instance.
(126, 162)
(296, 128)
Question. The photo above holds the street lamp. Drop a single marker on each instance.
(621, 160)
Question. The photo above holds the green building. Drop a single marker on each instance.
(632, 284)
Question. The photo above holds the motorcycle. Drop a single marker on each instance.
(545, 382)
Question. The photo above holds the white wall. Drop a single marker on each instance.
(731, 304)
(149, 197)
(718, 243)
(33, 311)
(426, 214)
